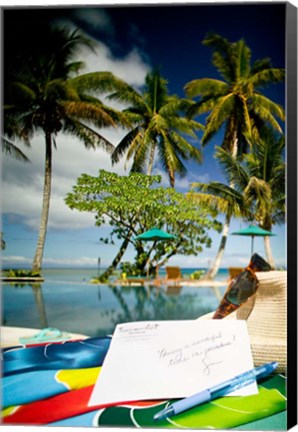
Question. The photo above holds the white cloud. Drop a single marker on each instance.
(17, 260)
(50, 262)
(95, 18)
(22, 184)
(131, 68)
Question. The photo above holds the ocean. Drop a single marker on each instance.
(67, 301)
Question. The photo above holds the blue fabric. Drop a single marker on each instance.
(69, 355)
(28, 387)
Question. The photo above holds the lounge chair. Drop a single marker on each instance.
(139, 280)
(173, 274)
(234, 271)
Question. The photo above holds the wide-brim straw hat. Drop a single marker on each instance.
(266, 316)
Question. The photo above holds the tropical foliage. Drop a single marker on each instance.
(9, 148)
(134, 204)
(258, 194)
(236, 102)
(44, 95)
(159, 127)
(235, 105)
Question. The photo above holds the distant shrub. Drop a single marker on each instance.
(197, 274)
(21, 273)
(130, 269)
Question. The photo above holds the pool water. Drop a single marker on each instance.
(68, 302)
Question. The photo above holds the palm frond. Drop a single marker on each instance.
(243, 58)
(90, 137)
(124, 144)
(233, 169)
(261, 64)
(139, 148)
(170, 160)
(264, 77)
(129, 96)
(183, 147)
(18, 93)
(12, 150)
(102, 82)
(258, 192)
(223, 56)
(267, 118)
(203, 106)
(220, 197)
(262, 102)
(218, 116)
(97, 114)
(206, 87)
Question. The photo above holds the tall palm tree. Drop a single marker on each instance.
(235, 103)
(258, 194)
(159, 126)
(43, 93)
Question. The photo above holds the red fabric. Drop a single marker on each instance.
(56, 408)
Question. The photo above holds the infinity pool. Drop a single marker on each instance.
(74, 305)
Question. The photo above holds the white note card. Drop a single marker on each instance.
(172, 359)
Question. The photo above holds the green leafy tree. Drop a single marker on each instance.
(135, 203)
(235, 104)
(258, 194)
(44, 94)
(159, 127)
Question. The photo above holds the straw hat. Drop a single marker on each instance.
(266, 316)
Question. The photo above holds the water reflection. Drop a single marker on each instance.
(38, 298)
(96, 310)
(157, 303)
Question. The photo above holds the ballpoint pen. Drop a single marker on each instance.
(216, 391)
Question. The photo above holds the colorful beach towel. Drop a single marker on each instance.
(68, 355)
(29, 387)
(62, 399)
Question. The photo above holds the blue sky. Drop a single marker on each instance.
(130, 42)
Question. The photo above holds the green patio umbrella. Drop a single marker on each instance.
(253, 231)
(155, 234)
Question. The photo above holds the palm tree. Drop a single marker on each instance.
(259, 186)
(159, 125)
(43, 93)
(235, 103)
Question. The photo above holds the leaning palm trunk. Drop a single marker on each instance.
(212, 272)
(268, 251)
(37, 262)
(117, 258)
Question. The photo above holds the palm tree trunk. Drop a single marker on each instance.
(117, 258)
(215, 266)
(212, 272)
(151, 159)
(268, 251)
(37, 262)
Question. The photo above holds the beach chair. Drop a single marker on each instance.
(173, 274)
(234, 271)
(138, 280)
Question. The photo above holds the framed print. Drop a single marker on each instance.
(149, 215)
